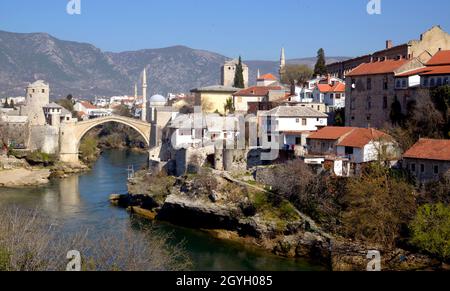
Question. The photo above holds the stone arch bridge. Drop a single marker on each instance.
(72, 133)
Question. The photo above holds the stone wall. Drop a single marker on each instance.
(44, 138)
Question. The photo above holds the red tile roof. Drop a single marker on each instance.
(428, 71)
(359, 137)
(268, 77)
(88, 105)
(330, 133)
(430, 149)
(258, 91)
(327, 88)
(352, 136)
(375, 68)
(440, 58)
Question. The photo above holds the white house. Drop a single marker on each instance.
(91, 110)
(288, 126)
(332, 94)
(201, 130)
(357, 145)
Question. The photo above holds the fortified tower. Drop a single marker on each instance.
(37, 97)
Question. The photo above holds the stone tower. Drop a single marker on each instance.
(228, 71)
(282, 64)
(37, 97)
(144, 96)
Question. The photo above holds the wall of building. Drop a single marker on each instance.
(45, 139)
(428, 173)
(212, 101)
(228, 73)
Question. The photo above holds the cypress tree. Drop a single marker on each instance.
(239, 75)
(320, 68)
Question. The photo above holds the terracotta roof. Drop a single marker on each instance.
(375, 68)
(359, 137)
(330, 133)
(430, 149)
(268, 77)
(352, 136)
(326, 88)
(440, 58)
(428, 71)
(88, 105)
(81, 114)
(258, 91)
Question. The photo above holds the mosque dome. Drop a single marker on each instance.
(158, 100)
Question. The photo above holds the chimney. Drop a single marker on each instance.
(389, 44)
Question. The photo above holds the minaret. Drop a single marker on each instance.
(282, 64)
(144, 96)
(258, 75)
(135, 92)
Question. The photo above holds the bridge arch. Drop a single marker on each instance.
(72, 133)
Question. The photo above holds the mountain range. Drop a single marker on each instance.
(83, 70)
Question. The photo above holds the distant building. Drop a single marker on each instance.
(428, 159)
(37, 96)
(331, 93)
(267, 80)
(358, 145)
(288, 126)
(242, 98)
(228, 72)
(213, 98)
(91, 110)
(430, 43)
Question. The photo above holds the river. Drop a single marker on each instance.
(81, 202)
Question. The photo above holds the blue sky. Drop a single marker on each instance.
(255, 29)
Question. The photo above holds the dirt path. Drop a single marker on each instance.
(23, 177)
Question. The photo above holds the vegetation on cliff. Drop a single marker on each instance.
(30, 241)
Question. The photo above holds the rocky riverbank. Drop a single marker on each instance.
(237, 211)
(15, 172)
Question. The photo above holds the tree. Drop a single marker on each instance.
(11, 104)
(66, 103)
(239, 75)
(378, 206)
(396, 114)
(123, 110)
(431, 230)
(441, 99)
(69, 97)
(297, 74)
(339, 117)
(229, 106)
(320, 68)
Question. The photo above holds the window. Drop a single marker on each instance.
(404, 83)
(304, 121)
(413, 168)
(385, 102)
(385, 83)
(269, 138)
(398, 84)
(432, 82)
(369, 103)
(445, 80)
(43, 90)
(436, 169)
(298, 140)
(33, 91)
(369, 84)
(297, 120)
(439, 81)
(425, 82)
(422, 168)
(338, 96)
(349, 151)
